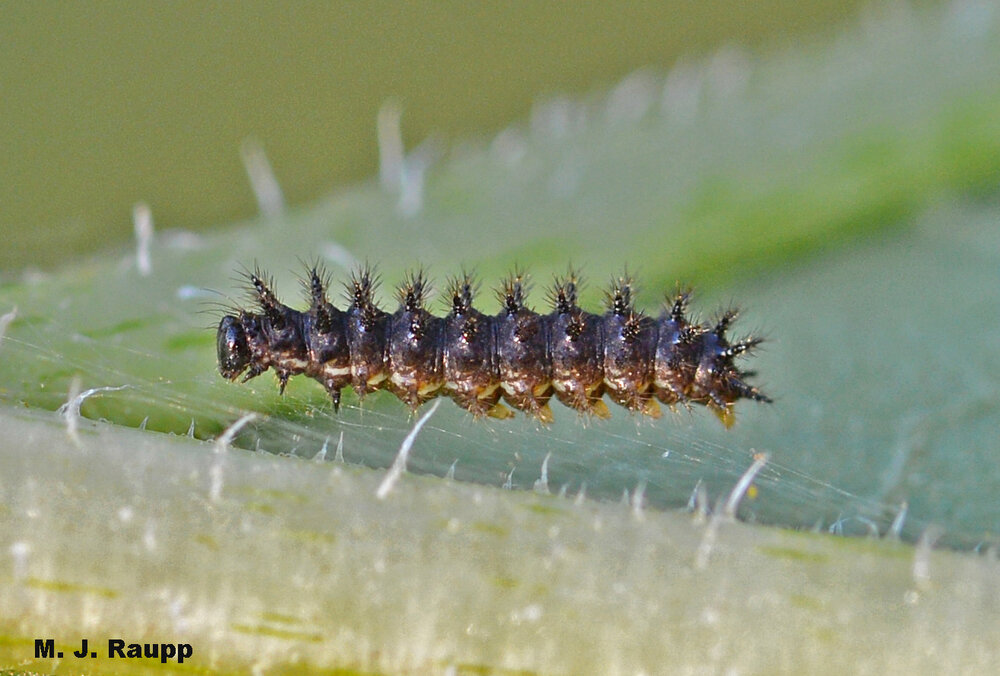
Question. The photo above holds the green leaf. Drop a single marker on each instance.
(845, 198)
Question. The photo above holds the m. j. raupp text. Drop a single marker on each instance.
(118, 648)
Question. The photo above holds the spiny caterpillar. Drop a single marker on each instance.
(517, 355)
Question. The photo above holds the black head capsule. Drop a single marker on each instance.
(234, 353)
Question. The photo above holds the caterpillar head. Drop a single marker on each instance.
(234, 351)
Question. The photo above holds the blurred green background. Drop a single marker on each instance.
(104, 104)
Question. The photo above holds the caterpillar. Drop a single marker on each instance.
(518, 356)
